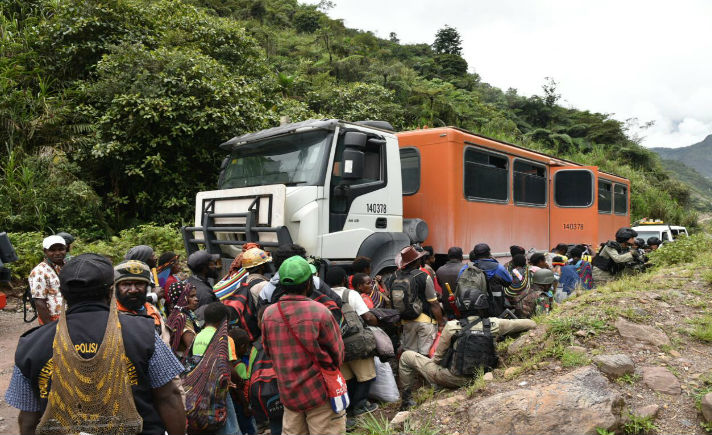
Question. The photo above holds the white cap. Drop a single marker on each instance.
(53, 240)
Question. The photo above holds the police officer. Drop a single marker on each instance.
(86, 283)
(436, 371)
(615, 256)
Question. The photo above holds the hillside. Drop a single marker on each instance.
(629, 358)
(700, 185)
(697, 156)
(117, 107)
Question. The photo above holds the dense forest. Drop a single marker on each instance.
(111, 111)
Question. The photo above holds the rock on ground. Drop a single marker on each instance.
(400, 418)
(707, 407)
(650, 411)
(534, 336)
(661, 380)
(614, 365)
(642, 333)
(578, 402)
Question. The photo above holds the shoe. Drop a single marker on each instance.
(407, 401)
(366, 407)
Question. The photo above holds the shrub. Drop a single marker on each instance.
(682, 250)
(161, 238)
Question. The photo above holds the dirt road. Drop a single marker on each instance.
(11, 327)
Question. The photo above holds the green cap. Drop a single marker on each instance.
(295, 270)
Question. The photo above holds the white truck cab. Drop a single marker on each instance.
(331, 186)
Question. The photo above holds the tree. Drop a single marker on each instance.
(448, 41)
(306, 19)
(550, 95)
(393, 38)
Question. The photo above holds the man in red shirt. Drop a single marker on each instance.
(302, 390)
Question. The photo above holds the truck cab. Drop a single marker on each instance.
(667, 233)
(332, 186)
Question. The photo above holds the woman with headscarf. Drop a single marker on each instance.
(182, 321)
(168, 268)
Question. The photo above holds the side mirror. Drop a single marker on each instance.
(355, 139)
(352, 164)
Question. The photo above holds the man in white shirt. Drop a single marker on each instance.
(44, 280)
(358, 373)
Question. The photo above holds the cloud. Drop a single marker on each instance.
(634, 59)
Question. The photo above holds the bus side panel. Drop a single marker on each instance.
(433, 201)
(608, 224)
(529, 228)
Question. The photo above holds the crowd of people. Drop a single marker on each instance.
(274, 346)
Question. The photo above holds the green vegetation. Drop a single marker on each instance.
(571, 358)
(603, 431)
(628, 378)
(477, 384)
(701, 186)
(162, 238)
(371, 424)
(701, 327)
(638, 425)
(111, 111)
(684, 250)
(423, 394)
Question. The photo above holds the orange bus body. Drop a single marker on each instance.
(455, 219)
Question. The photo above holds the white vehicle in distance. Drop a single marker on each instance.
(667, 233)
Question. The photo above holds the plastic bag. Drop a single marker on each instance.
(384, 387)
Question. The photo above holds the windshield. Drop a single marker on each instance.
(294, 159)
(648, 234)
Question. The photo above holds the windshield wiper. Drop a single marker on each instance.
(295, 183)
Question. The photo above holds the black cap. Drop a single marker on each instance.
(67, 237)
(198, 259)
(455, 252)
(86, 272)
(481, 249)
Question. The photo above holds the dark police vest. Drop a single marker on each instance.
(87, 324)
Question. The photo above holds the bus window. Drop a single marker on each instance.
(486, 176)
(410, 170)
(605, 196)
(529, 183)
(620, 199)
(573, 188)
(665, 237)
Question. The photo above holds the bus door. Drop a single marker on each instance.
(573, 214)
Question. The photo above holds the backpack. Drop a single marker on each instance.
(264, 391)
(525, 304)
(206, 387)
(359, 341)
(471, 349)
(473, 278)
(351, 322)
(241, 300)
(404, 294)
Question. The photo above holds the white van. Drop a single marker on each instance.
(666, 233)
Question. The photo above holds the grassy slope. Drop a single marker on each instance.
(675, 298)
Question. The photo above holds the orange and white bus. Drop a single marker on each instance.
(472, 189)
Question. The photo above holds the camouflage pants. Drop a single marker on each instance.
(412, 364)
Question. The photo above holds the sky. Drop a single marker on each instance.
(650, 60)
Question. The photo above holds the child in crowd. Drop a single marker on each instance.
(240, 392)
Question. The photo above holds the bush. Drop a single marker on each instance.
(682, 250)
(161, 238)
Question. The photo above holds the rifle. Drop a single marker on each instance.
(27, 298)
